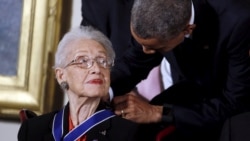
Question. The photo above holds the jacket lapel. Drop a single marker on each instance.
(175, 69)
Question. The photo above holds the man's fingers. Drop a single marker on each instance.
(119, 99)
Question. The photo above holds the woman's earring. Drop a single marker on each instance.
(64, 85)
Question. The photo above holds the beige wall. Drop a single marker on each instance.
(9, 129)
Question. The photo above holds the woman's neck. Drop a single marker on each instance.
(82, 108)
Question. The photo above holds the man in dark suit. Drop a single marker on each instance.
(210, 68)
(208, 51)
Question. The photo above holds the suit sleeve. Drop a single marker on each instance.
(133, 67)
(22, 133)
(236, 128)
(225, 133)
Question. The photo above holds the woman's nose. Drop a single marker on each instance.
(95, 68)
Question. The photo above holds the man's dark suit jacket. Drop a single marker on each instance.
(236, 128)
(211, 71)
(40, 129)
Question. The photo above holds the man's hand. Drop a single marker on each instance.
(134, 108)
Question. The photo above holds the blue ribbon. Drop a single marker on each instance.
(81, 129)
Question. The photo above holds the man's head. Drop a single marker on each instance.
(160, 25)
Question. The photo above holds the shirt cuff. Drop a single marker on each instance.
(111, 94)
(167, 114)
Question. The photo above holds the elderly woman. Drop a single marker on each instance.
(82, 66)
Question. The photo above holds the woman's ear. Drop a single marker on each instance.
(189, 29)
(59, 75)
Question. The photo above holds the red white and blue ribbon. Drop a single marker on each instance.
(81, 129)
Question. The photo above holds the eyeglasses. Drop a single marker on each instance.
(86, 62)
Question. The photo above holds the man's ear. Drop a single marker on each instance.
(189, 29)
